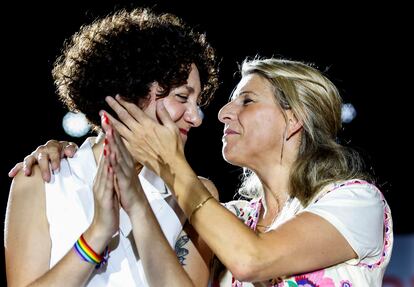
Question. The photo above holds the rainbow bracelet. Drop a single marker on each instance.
(88, 254)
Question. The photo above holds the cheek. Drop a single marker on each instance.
(263, 131)
(175, 109)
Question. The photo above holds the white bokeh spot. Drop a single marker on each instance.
(348, 113)
(75, 124)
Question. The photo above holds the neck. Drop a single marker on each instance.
(274, 174)
(275, 184)
(275, 180)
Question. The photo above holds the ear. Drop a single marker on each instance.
(293, 125)
(154, 91)
(155, 88)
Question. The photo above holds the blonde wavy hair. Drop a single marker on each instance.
(316, 102)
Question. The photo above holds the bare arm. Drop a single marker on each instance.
(27, 241)
(256, 257)
(199, 260)
(159, 260)
(249, 256)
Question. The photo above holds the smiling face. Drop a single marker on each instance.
(181, 103)
(255, 124)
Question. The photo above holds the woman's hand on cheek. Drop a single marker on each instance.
(153, 144)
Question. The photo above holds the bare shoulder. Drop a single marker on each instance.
(26, 236)
(26, 200)
(210, 186)
(27, 188)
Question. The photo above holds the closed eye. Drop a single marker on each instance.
(182, 98)
(246, 101)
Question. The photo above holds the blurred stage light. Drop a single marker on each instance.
(348, 113)
(75, 124)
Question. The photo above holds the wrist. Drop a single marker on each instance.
(178, 172)
(97, 238)
(89, 253)
(137, 207)
(188, 188)
(133, 200)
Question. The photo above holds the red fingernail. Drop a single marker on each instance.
(105, 151)
(105, 118)
(106, 141)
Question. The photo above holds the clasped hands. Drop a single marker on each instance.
(154, 144)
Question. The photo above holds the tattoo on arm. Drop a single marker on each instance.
(180, 248)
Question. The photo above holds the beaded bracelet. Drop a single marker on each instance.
(88, 254)
(198, 207)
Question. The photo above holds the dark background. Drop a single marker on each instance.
(362, 49)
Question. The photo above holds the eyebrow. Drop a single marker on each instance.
(243, 93)
(189, 89)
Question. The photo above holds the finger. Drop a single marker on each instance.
(108, 173)
(109, 143)
(43, 160)
(122, 112)
(28, 162)
(123, 130)
(54, 161)
(120, 168)
(123, 151)
(97, 183)
(109, 181)
(132, 109)
(15, 169)
(53, 148)
(115, 192)
(116, 187)
(116, 165)
(116, 158)
(163, 114)
(69, 149)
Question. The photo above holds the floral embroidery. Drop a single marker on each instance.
(345, 283)
(251, 213)
(387, 243)
(314, 279)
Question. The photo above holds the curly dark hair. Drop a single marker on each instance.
(124, 53)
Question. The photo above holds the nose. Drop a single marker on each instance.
(193, 115)
(226, 113)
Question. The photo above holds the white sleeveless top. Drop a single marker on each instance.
(70, 209)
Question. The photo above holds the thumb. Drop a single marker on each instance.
(163, 115)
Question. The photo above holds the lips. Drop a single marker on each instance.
(183, 131)
(230, 132)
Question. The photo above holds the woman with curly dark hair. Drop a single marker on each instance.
(91, 212)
